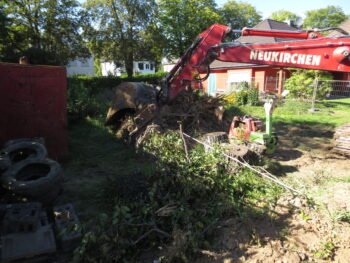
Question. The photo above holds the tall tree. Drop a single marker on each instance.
(183, 20)
(239, 14)
(115, 27)
(284, 15)
(4, 32)
(46, 30)
(329, 16)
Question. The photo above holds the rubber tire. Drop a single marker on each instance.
(40, 140)
(37, 188)
(40, 152)
(5, 162)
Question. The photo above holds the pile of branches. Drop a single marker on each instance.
(197, 113)
(194, 111)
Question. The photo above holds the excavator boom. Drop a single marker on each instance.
(302, 49)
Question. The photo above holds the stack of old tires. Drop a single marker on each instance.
(26, 174)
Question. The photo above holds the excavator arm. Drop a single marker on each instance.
(303, 49)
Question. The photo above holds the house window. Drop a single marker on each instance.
(147, 66)
(140, 66)
(151, 66)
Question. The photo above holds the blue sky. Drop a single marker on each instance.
(266, 7)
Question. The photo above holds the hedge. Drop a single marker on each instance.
(84, 92)
(96, 84)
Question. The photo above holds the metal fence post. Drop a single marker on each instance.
(314, 95)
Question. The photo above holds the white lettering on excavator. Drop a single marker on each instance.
(285, 57)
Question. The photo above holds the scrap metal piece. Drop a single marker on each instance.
(130, 96)
(67, 227)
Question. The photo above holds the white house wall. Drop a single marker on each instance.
(146, 68)
(81, 67)
(110, 69)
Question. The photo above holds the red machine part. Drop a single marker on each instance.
(313, 51)
(241, 127)
(33, 103)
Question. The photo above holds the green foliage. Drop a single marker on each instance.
(183, 200)
(239, 14)
(182, 20)
(284, 15)
(85, 93)
(330, 16)
(326, 251)
(343, 216)
(114, 28)
(246, 94)
(39, 30)
(302, 82)
(4, 32)
(82, 100)
(97, 67)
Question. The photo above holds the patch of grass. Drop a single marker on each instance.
(98, 166)
(342, 179)
(305, 217)
(326, 250)
(94, 145)
(342, 216)
(331, 112)
(181, 202)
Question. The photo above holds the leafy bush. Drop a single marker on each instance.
(246, 94)
(301, 84)
(184, 199)
(83, 102)
(84, 91)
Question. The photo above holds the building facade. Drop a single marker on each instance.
(81, 66)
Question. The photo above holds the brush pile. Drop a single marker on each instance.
(197, 113)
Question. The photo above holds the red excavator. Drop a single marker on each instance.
(307, 49)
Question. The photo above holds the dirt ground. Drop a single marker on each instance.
(298, 229)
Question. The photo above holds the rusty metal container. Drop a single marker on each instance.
(33, 103)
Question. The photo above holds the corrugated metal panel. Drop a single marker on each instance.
(33, 103)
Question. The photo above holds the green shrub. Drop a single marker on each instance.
(246, 94)
(84, 91)
(302, 82)
(184, 199)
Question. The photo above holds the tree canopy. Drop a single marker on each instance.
(115, 26)
(56, 31)
(330, 16)
(182, 20)
(239, 14)
(47, 31)
(284, 15)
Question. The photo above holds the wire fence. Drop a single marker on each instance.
(339, 88)
(335, 89)
(265, 85)
(227, 85)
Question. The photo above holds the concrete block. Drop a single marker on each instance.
(21, 246)
(21, 218)
(67, 227)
